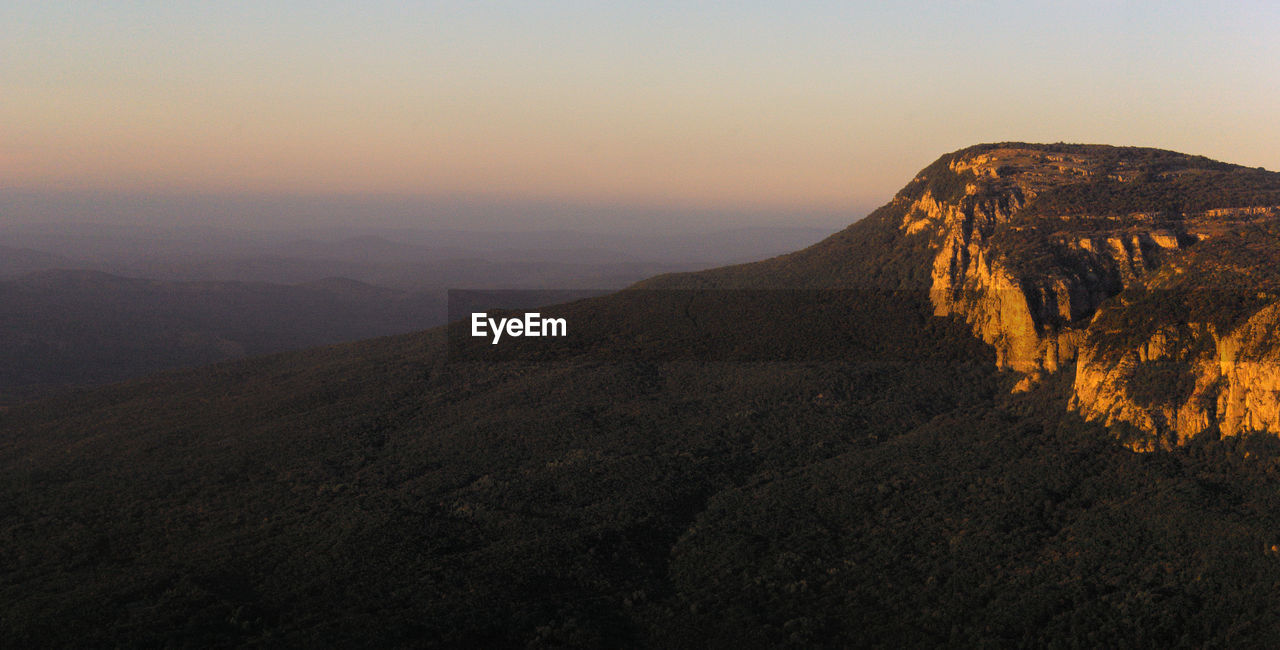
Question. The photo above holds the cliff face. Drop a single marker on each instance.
(1192, 350)
(1060, 255)
(1179, 384)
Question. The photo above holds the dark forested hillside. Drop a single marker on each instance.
(793, 453)
(73, 328)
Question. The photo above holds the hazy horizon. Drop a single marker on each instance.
(615, 115)
(361, 213)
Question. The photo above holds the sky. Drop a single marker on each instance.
(743, 113)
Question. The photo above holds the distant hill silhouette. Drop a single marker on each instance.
(73, 328)
(21, 261)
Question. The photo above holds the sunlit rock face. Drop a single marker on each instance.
(1064, 256)
(1196, 350)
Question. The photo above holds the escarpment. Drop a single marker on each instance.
(1194, 349)
(1127, 264)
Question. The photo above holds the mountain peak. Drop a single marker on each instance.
(1032, 244)
(1185, 181)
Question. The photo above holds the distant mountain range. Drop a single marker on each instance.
(20, 261)
(121, 302)
(71, 328)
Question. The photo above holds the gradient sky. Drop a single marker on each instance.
(772, 107)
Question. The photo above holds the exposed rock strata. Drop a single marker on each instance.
(1033, 286)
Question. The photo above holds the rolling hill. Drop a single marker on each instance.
(64, 328)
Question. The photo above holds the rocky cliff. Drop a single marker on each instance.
(1148, 270)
